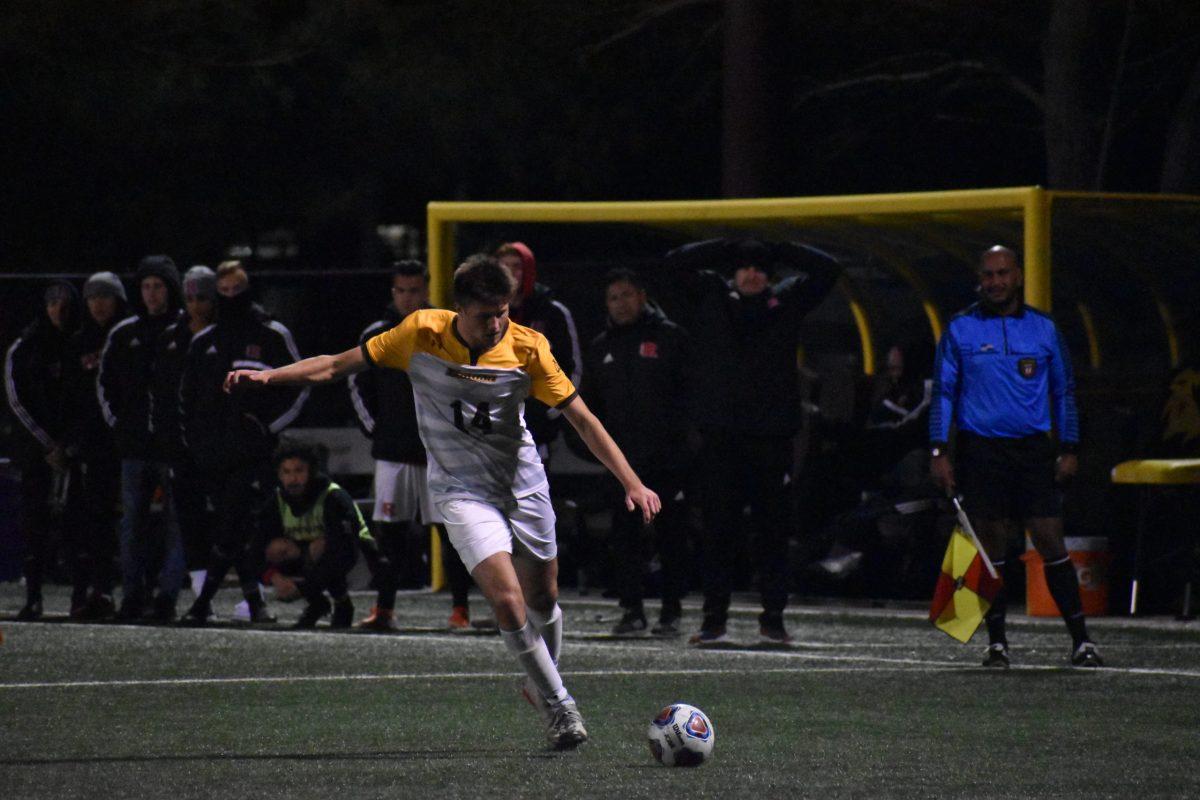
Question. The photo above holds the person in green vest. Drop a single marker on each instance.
(310, 530)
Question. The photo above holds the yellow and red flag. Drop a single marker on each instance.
(965, 590)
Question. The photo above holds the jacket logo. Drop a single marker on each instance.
(211, 351)
(648, 350)
(254, 351)
(987, 348)
(608, 359)
(1027, 367)
(773, 302)
(135, 342)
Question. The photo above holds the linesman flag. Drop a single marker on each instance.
(967, 585)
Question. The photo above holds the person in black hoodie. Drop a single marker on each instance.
(124, 383)
(383, 401)
(232, 436)
(635, 373)
(747, 405)
(191, 505)
(309, 529)
(95, 506)
(34, 379)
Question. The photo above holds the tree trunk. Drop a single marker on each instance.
(1181, 159)
(753, 104)
(1072, 138)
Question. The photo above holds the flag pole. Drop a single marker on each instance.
(970, 531)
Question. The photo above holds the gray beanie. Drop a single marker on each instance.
(104, 283)
(200, 281)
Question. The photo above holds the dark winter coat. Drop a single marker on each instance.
(383, 401)
(88, 434)
(636, 380)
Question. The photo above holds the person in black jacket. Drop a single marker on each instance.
(383, 401)
(34, 372)
(635, 371)
(191, 504)
(96, 503)
(310, 530)
(747, 405)
(232, 436)
(534, 306)
(124, 384)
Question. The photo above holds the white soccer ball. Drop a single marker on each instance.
(681, 736)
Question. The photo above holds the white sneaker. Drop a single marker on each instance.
(241, 612)
(566, 730)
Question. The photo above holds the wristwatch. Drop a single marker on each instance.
(937, 450)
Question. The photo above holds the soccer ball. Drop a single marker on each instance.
(681, 736)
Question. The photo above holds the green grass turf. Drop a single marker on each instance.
(869, 703)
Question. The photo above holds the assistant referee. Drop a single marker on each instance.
(1003, 376)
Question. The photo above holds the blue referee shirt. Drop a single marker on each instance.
(1003, 376)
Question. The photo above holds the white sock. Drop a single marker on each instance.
(197, 577)
(550, 627)
(530, 649)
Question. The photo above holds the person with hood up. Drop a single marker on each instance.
(748, 406)
(34, 371)
(232, 436)
(95, 506)
(123, 387)
(309, 529)
(635, 371)
(191, 506)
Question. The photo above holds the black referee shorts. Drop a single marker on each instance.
(1003, 478)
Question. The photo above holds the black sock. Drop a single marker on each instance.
(995, 617)
(1064, 588)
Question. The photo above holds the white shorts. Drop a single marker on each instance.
(402, 493)
(478, 530)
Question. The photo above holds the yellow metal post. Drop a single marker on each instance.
(1037, 249)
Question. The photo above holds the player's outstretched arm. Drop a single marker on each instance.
(307, 371)
(592, 431)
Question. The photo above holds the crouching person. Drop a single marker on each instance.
(310, 530)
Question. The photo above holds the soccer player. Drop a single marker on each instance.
(472, 370)
(1001, 370)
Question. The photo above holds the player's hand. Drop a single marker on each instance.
(243, 378)
(646, 500)
(1066, 467)
(942, 472)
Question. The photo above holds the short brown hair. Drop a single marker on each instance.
(226, 268)
(483, 279)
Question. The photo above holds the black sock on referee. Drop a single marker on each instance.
(1064, 588)
(995, 615)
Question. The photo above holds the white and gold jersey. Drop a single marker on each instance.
(471, 411)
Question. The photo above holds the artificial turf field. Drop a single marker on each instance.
(867, 703)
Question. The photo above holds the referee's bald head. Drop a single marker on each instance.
(999, 252)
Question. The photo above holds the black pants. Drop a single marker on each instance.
(234, 496)
(326, 574)
(740, 471)
(629, 540)
(37, 482)
(191, 508)
(92, 533)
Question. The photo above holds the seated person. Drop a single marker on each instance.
(310, 531)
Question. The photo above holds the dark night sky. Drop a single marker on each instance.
(187, 126)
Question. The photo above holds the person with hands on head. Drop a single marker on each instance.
(1003, 377)
(472, 370)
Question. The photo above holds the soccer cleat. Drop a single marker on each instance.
(667, 626)
(533, 696)
(31, 611)
(1086, 655)
(199, 615)
(343, 613)
(313, 612)
(99, 606)
(380, 619)
(774, 633)
(566, 731)
(131, 610)
(706, 636)
(996, 656)
(632, 622)
(460, 618)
